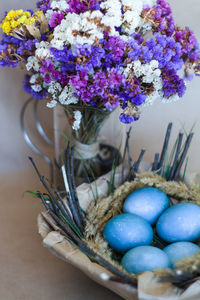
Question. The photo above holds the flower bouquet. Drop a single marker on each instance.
(92, 56)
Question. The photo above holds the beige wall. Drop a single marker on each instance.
(13, 149)
(148, 132)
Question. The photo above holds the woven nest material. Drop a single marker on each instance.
(101, 211)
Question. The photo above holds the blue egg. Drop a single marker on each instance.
(145, 258)
(179, 223)
(181, 250)
(147, 202)
(126, 231)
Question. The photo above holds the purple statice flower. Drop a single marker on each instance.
(63, 78)
(47, 66)
(8, 48)
(163, 16)
(112, 102)
(50, 73)
(88, 57)
(65, 58)
(27, 48)
(165, 50)
(56, 19)
(43, 5)
(102, 86)
(114, 47)
(6, 62)
(9, 39)
(44, 37)
(29, 90)
(138, 38)
(80, 82)
(80, 6)
(126, 119)
(139, 99)
(172, 84)
(189, 45)
(131, 91)
(115, 78)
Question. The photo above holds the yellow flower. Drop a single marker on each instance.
(14, 23)
(29, 21)
(39, 13)
(19, 12)
(6, 27)
(27, 14)
(22, 19)
(18, 18)
(11, 15)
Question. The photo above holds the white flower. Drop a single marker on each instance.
(54, 89)
(137, 68)
(150, 99)
(52, 104)
(96, 14)
(36, 87)
(61, 5)
(124, 37)
(157, 83)
(135, 5)
(32, 63)
(77, 120)
(77, 29)
(145, 27)
(113, 15)
(154, 64)
(67, 96)
(149, 3)
(43, 50)
(34, 78)
(149, 71)
(48, 14)
(132, 17)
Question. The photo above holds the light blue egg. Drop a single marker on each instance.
(147, 202)
(181, 250)
(126, 231)
(179, 223)
(145, 258)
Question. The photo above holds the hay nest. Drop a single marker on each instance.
(103, 209)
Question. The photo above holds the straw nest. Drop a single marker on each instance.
(103, 209)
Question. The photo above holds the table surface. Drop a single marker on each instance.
(29, 271)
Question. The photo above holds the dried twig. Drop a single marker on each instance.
(165, 147)
(183, 156)
(178, 150)
(124, 154)
(156, 162)
(136, 165)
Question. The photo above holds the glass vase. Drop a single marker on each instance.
(92, 157)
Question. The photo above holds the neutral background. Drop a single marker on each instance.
(27, 270)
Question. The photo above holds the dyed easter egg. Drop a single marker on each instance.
(147, 202)
(126, 231)
(145, 258)
(181, 250)
(179, 223)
